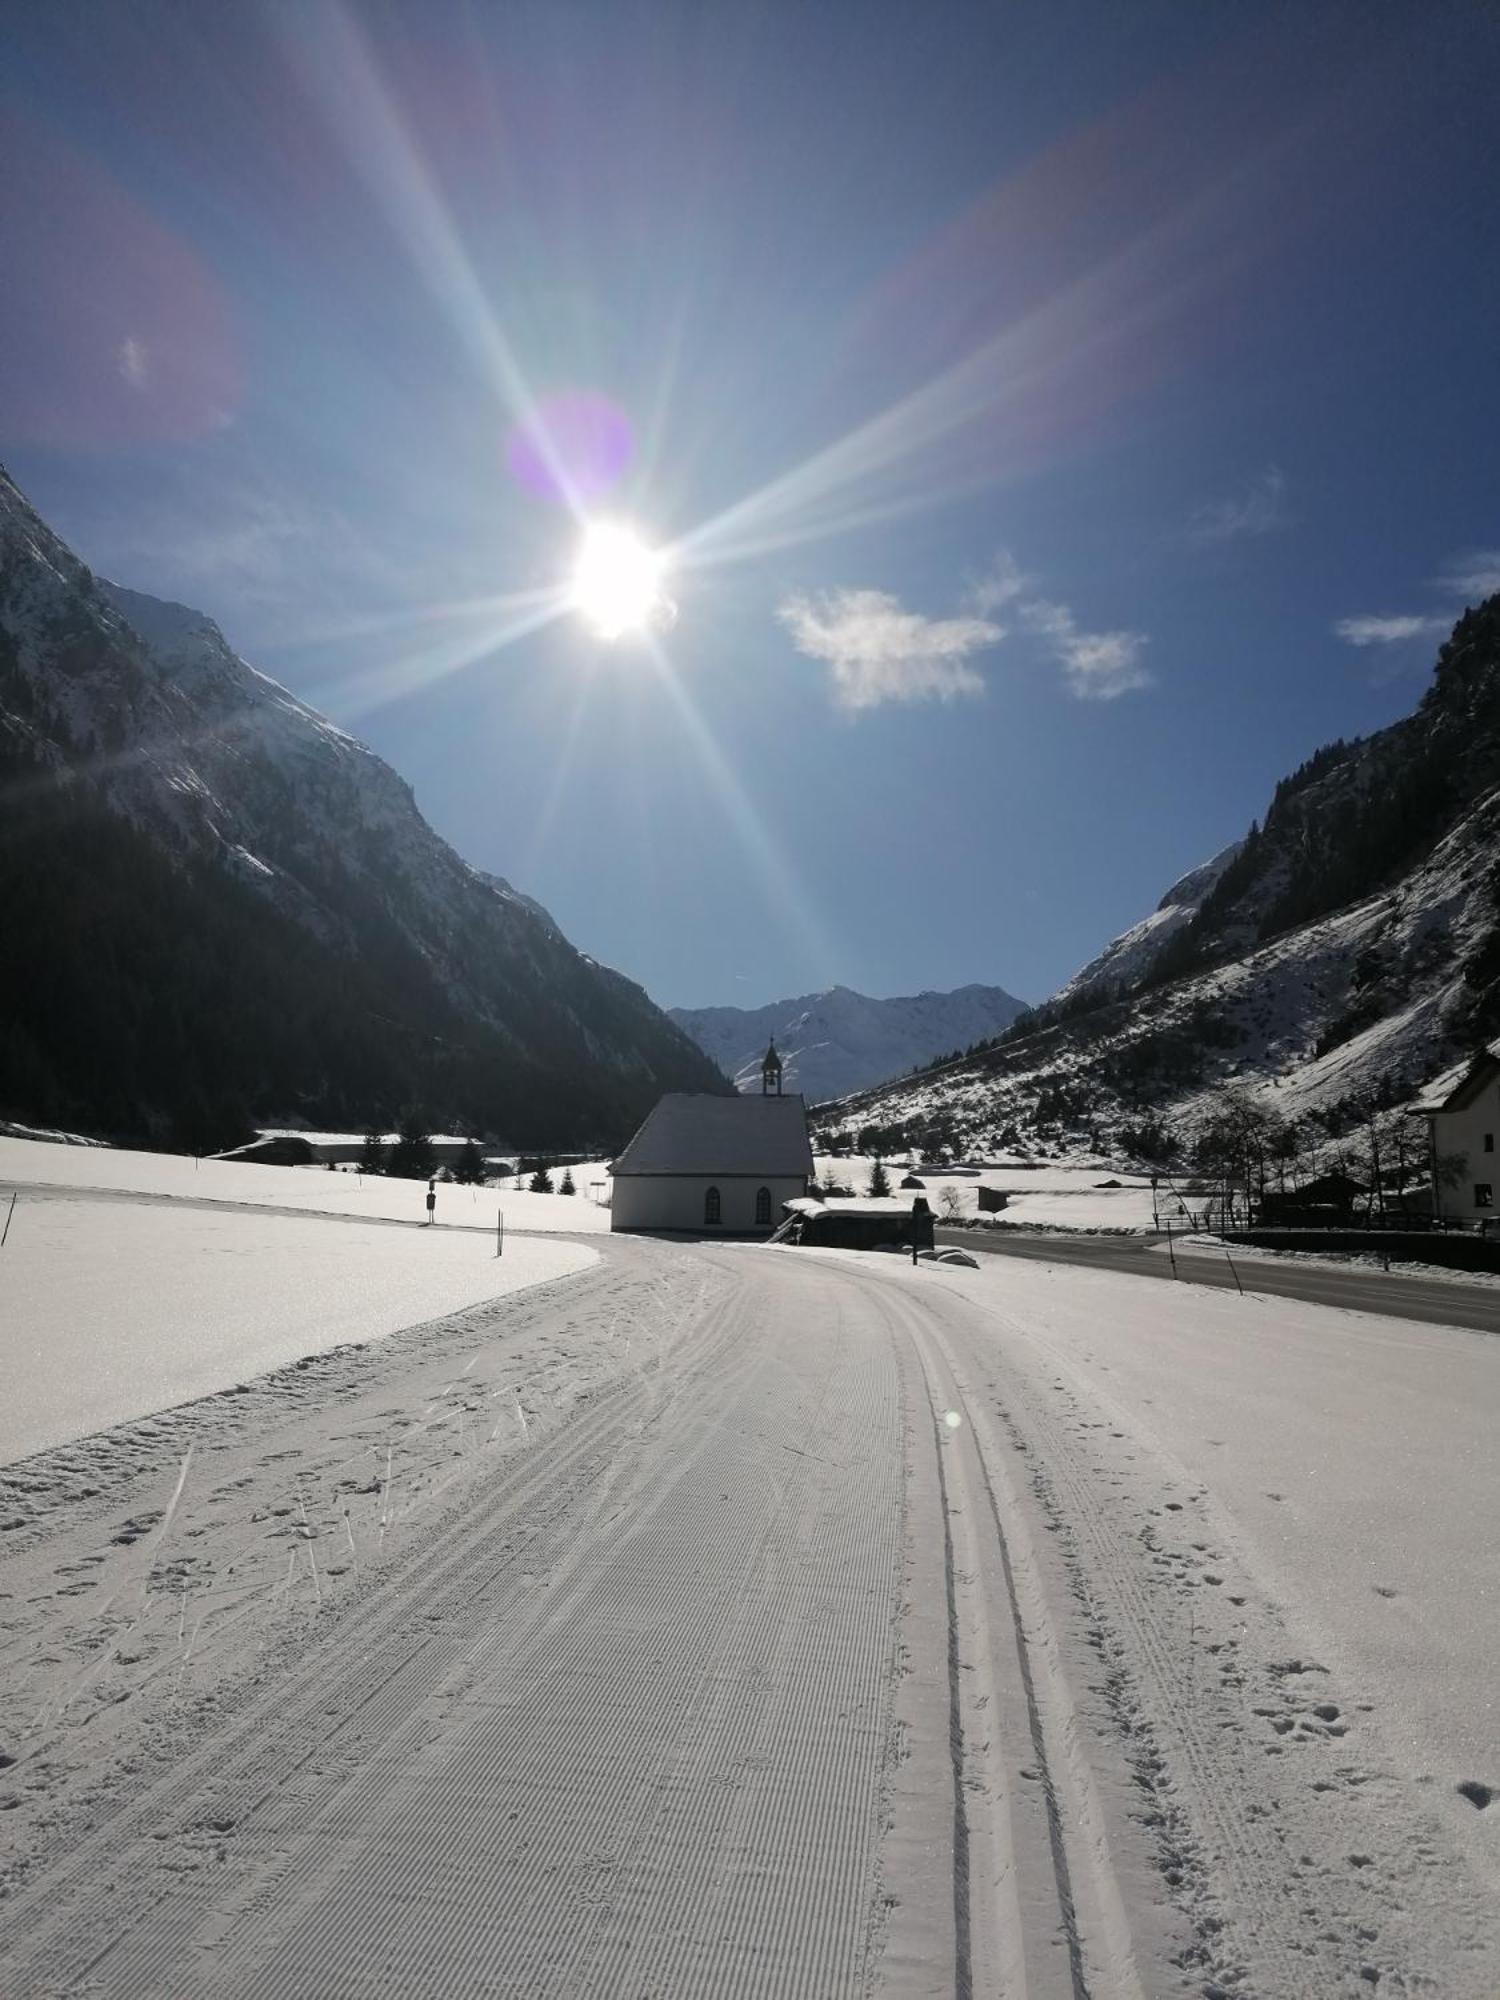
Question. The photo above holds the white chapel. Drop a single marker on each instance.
(715, 1166)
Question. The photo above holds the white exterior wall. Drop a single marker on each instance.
(1465, 1132)
(675, 1201)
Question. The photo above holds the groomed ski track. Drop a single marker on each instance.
(808, 1658)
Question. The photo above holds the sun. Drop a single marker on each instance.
(617, 581)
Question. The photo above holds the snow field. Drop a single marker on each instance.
(1275, 1525)
(31, 1163)
(110, 1310)
(1350, 1457)
(1020, 1629)
(1052, 1195)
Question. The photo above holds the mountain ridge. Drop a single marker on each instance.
(1343, 953)
(837, 1040)
(372, 967)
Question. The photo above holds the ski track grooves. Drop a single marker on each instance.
(621, 1730)
(1246, 1851)
(1016, 1784)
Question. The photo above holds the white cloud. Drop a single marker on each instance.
(878, 651)
(131, 361)
(1098, 666)
(1001, 584)
(1469, 576)
(1472, 575)
(1259, 510)
(1392, 631)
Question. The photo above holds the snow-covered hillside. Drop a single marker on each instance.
(839, 1041)
(1128, 958)
(286, 935)
(1327, 966)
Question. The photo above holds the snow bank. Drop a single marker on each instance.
(112, 1310)
(28, 1163)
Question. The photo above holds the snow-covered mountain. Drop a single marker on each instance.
(219, 904)
(838, 1041)
(1126, 960)
(1345, 951)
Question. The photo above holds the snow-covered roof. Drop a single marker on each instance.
(692, 1132)
(863, 1205)
(1455, 1088)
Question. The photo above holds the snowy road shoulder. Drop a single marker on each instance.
(111, 1310)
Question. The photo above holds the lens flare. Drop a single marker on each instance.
(578, 443)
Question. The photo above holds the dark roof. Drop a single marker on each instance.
(1328, 1187)
(695, 1133)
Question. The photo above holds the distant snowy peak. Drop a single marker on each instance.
(1127, 958)
(839, 1041)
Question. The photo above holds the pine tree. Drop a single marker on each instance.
(541, 1182)
(412, 1156)
(566, 1186)
(468, 1171)
(880, 1180)
(373, 1154)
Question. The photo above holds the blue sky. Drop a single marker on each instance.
(1062, 418)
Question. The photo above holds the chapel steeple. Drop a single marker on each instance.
(770, 1071)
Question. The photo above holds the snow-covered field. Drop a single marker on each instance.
(31, 1163)
(1050, 1193)
(735, 1619)
(112, 1309)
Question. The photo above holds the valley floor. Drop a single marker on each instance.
(727, 1620)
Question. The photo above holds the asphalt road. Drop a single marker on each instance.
(1436, 1301)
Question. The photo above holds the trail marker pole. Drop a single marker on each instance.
(8, 1214)
(1233, 1272)
(499, 1232)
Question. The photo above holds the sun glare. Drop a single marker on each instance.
(617, 581)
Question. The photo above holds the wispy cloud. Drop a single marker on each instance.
(1390, 631)
(1097, 666)
(1259, 510)
(132, 361)
(1001, 584)
(1472, 575)
(877, 651)
(1465, 578)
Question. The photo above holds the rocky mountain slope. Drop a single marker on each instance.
(1126, 959)
(1342, 953)
(218, 905)
(839, 1041)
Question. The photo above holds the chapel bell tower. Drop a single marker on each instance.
(770, 1071)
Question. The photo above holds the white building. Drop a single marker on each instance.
(1465, 1124)
(717, 1166)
